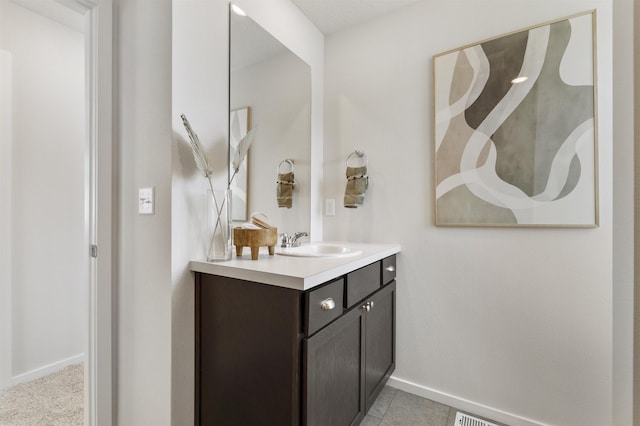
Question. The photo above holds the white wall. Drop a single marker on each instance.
(514, 324)
(143, 298)
(48, 256)
(200, 90)
(636, 234)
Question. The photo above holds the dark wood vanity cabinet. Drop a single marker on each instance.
(267, 355)
(348, 362)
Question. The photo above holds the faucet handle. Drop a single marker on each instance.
(286, 241)
(295, 240)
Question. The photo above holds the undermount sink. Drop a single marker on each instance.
(318, 250)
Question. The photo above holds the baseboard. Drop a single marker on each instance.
(463, 404)
(46, 370)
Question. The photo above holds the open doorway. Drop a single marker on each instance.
(44, 61)
(55, 293)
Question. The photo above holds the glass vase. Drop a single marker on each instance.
(221, 236)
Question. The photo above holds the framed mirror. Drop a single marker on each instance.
(269, 88)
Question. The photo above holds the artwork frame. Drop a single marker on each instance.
(239, 124)
(518, 153)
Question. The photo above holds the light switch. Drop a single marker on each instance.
(146, 201)
(330, 207)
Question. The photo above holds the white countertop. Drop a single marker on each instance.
(299, 273)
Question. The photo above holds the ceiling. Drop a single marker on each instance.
(331, 16)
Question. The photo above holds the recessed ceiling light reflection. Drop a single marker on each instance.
(236, 9)
(519, 80)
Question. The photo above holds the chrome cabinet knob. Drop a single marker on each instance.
(327, 304)
(367, 306)
(390, 268)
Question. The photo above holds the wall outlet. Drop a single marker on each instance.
(146, 201)
(330, 207)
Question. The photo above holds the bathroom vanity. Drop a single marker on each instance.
(294, 341)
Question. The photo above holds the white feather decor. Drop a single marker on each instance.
(202, 161)
(221, 236)
(241, 151)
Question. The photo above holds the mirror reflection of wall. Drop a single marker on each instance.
(275, 85)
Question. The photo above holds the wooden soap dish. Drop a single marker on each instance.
(255, 238)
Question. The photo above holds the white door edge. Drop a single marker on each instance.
(5, 220)
(98, 376)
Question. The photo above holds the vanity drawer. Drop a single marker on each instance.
(362, 282)
(323, 305)
(388, 269)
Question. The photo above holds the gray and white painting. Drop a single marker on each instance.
(518, 152)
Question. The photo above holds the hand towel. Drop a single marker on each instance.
(357, 184)
(285, 189)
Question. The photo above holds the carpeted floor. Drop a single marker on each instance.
(54, 400)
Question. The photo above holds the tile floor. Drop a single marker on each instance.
(397, 408)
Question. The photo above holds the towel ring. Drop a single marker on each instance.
(286, 162)
(357, 159)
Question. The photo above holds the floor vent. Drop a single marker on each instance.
(467, 420)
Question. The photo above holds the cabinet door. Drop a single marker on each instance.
(380, 359)
(332, 390)
(247, 353)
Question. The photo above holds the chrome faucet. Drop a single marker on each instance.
(292, 240)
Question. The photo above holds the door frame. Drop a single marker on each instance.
(5, 220)
(99, 208)
(99, 218)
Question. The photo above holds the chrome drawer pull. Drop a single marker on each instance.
(390, 268)
(328, 304)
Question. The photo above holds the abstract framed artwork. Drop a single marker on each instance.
(238, 128)
(516, 128)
